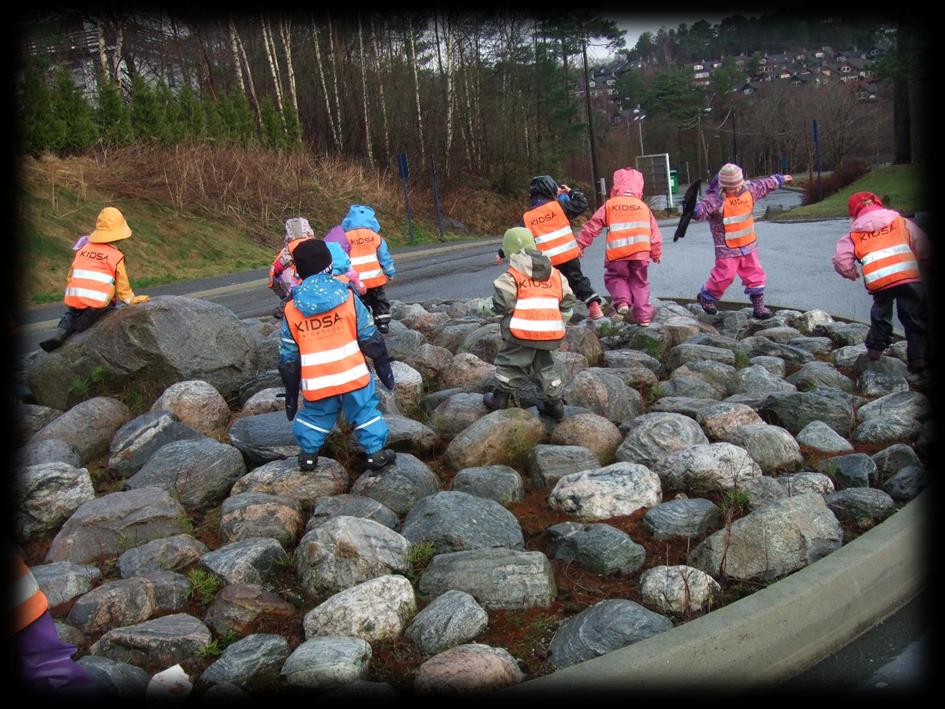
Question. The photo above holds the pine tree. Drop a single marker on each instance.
(292, 128)
(273, 128)
(112, 116)
(147, 115)
(245, 119)
(38, 129)
(215, 128)
(191, 114)
(173, 128)
(70, 107)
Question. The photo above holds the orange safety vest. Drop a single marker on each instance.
(552, 232)
(364, 246)
(332, 362)
(886, 255)
(28, 600)
(737, 220)
(92, 279)
(537, 314)
(628, 222)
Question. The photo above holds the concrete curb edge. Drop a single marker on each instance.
(775, 633)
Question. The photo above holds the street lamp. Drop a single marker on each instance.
(639, 116)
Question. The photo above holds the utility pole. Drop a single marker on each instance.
(734, 150)
(590, 121)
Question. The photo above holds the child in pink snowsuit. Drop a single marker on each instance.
(733, 231)
(633, 239)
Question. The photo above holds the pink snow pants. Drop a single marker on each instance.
(747, 267)
(627, 284)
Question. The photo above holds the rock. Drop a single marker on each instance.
(426, 323)
(590, 431)
(252, 661)
(88, 426)
(793, 357)
(779, 538)
(569, 364)
(199, 473)
(375, 611)
(457, 413)
(616, 490)
(808, 321)
(842, 334)
(114, 678)
(492, 482)
(399, 485)
(794, 411)
(325, 662)
(686, 353)
(251, 561)
(847, 357)
(904, 405)
(720, 341)
(408, 386)
(30, 418)
(135, 442)
(906, 484)
(734, 323)
(242, 609)
(484, 342)
(467, 670)
(409, 436)
(157, 643)
(62, 581)
(762, 491)
(51, 450)
(351, 506)
(265, 401)
(605, 626)
(283, 478)
(451, 334)
(456, 521)
(720, 420)
(599, 548)
(680, 590)
(496, 578)
(197, 404)
(891, 460)
(266, 379)
(583, 341)
(467, 371)
(877, 384)
(773, 448)
(502, 437)
(430, 361)
(114, 604)
(402, 343)
(707, 467)
(149, 348)
(620, 359)
(884, 430)
(113, 523)
(806, 482)
(48, 494)
(549, 463)
(171, 553)
(781, 334)
(773, 365)
(604, 394)
(682, 518)
(685, 405)
(864, 506)
(653, 436)
(264, 438)
(252, 515)
(852, 470)
(345, 551)
(815, 374)
(820, 438)
(757, 379)
(451, 619)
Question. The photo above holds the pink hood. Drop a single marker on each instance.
(627, 181)
(873, 219)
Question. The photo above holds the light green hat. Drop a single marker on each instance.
(517, 239)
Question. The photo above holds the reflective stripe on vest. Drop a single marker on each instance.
(886, 255)
(537, 314)
(737, 220)
(364, 246)
(27, 601)
(92, 279)
(628, 221)
(332, 362)
(552, 232)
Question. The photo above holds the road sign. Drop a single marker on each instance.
(656, 177)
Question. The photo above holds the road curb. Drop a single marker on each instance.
(777, 632)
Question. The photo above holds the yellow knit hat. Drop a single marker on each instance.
(110, 226)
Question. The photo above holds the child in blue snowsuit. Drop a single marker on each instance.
(371, 258)
(325, 335)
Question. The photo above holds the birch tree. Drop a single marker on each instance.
(416, 87)
(380, 85)
(241, 55)
(364, 92)
(269, 46)
(285, 30)
(332, 122)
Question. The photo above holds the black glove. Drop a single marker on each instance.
(375, 348)
(291, 373)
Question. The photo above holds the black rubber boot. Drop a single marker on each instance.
(707, 305)
(553, 408)
(496, 399)
(758, 303)
(383, 327)
(378, 459)
(308, 461)
(56, 340)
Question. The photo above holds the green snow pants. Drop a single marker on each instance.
(515, 364)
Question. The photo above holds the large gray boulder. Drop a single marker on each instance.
(47, 495)
(89, 426)
(284, 478)
(451, 619)
(653, 436)
(375, 610)
(549, 463)
(484, 342)
(252, 515)
(604, 627)
(352, 506)
(467, 670)
(241, 608)
(616, 490)
(149, 347)
(114, 523)
(199, 472)
(502, 437)
(493, 482)
(773, 448)
(679, 590)
(172, 553)
(30, 418)
(116, 679)
(707, 467)
(398, 485)
(817, 374)
(457, 413)
(264, 438)
(597, 434)
(327, 661)
(252, 561)
(155, 644)
(197, 404)
(682, 518)
(781, 537)
(63, 581)
(599, 548)
(134, 443)
(456, 521)
(794, 411)
(49, 451)
(253, 661)
(605, 394)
